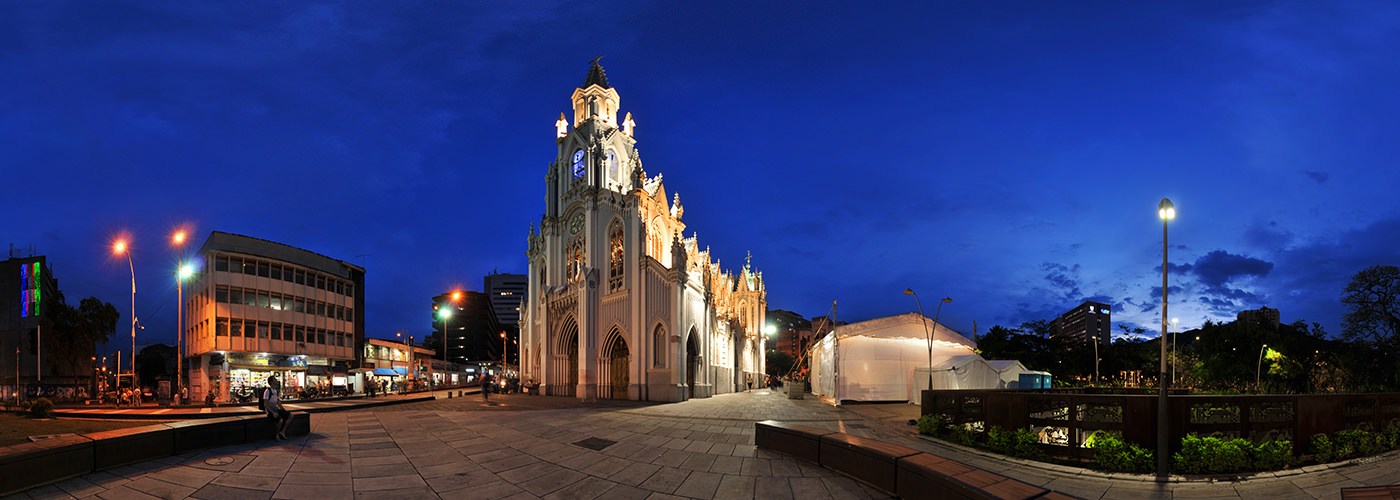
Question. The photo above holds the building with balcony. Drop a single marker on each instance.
(257, 308)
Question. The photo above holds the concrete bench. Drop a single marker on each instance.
(1371, 493)
(896, 469)
(934, 477)
(29, 465)
(875, 462)
(793, 440)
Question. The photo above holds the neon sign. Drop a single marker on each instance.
(29, 289)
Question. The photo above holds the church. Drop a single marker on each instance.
(622, 304)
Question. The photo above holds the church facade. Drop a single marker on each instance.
(623, 305)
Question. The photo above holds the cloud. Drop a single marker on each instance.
(1066, 279)
(1218, 267)
(1319, 177)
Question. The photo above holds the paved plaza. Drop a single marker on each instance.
(523, 447)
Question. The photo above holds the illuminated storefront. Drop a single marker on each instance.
(257, 309)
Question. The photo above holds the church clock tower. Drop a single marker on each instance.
(620, 305)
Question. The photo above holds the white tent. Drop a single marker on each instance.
(968, 371)
(876, 360)
(1010, 371)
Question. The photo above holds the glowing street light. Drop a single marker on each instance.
(927, 333)
(120, 248)
(1257, 368)
(1166, 211)
(445, 314)
(184, 271)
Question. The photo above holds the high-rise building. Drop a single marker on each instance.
(258, 308)
(506, 292)
(1085, 322)
(473, 332)
(622, 304)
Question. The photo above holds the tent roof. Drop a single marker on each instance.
(960, 361)
(1002, 364)
(907, 325)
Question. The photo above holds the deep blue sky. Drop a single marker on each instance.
(1007, 155)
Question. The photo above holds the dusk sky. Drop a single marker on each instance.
(1009, 155)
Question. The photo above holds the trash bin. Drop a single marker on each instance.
(794, 389)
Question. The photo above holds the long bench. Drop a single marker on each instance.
(898, 470)
(29, 465)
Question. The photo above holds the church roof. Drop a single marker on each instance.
(595, 76)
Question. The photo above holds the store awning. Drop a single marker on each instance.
(386, 372)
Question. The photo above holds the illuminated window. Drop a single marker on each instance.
(615, 254)
(576, 260)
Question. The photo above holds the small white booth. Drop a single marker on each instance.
(886, 359)
(1009, 370)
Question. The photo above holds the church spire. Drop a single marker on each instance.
(596, 76)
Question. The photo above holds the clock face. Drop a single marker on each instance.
(576, 224)
(578, 164)
(612, 165)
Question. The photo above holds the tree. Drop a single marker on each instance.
(779, 363)
(1373, 297)
(70, 335)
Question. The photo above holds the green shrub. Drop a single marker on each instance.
(1017, 443)
(1272, 455)
(1210, 455)
(1322, 449)
(1111, 453)
(1391, 438)
(1355, 443)
(932, 425)
(963, 435)
(41, 408)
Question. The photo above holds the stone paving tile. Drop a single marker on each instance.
(461, 480)
(785, 467)
(220, 492)
(635, 474)
(757, 467)
(162, 489)
(525, 473)
(498, 489)
(364, 471)
(772, 488)
(247, 481)
(551, 482)
(397, 494)
(509, 463)
(699, 462)
(124, 492)
(586, 489)
(727, 465)
(79, 487)
(315, 478)
(700, 485)
(1144, 491)
(389, 482)
(665, 480)
(845, 487)
(1083, 488)
(809, 488)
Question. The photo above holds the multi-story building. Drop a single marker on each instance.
(506, 292)
(1265, 317)
(1087, 321)
(26, 287)
(259, 308)
(473, 332)
(390, 364)
(622, 304)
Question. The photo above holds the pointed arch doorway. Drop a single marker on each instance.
(692, 362)
(567, 360)
(618, 359)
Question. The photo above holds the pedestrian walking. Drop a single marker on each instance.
(281, 418)
(486, 387)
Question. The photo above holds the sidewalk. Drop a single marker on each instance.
(558, 448)
(155, 412)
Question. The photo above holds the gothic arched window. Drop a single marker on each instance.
(615, 256)
(576, 259)
(658, 347)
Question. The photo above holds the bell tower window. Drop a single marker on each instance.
(576, 259)
(615, 255)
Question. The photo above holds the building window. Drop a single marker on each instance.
(262, 330)
(250, 298)
(276, 331)
(349, 289)
(301, 334)
(249, 267)
(221, 263)
(301, 277)
(221, 327)
(658, 347)
(576, 260)
(277, 272)
(615, 255)
(221, 294)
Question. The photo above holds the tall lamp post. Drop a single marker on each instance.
(120, 248)
(1096, 359)
(928, 334)
(180, 274)
(1166, 211)
(1175, 355)
(1259, 366)
(445, 314)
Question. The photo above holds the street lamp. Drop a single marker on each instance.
(444, 313)
(183, 272)
(1259, 366)
(120, 248)
(1166, 211)
(1096, 359)
(1175, 355)
(503, 350)
(927, 333)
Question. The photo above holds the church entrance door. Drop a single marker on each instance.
(619, 362)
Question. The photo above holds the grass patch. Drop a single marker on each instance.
(15, 429)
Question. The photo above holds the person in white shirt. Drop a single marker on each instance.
(281, 418)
